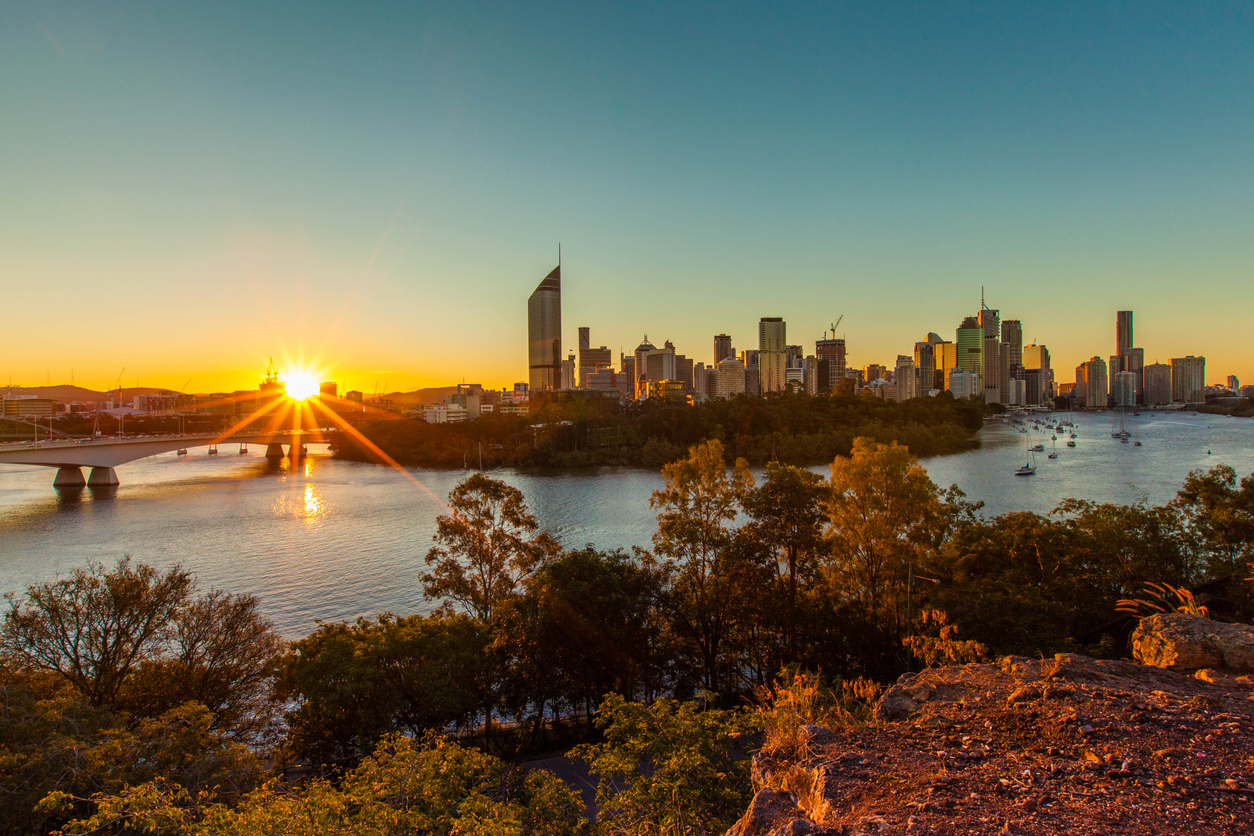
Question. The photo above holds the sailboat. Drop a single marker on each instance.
(1029, 465)
(1054, 454)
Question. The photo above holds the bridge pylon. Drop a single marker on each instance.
(69, 477)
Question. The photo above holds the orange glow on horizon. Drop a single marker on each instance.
(300, 386)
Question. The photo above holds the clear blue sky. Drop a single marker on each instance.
(375, 189)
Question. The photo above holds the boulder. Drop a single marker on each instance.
(1181, 642)
(773, 813)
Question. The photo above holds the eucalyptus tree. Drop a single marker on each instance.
(696, 511)
(485, 547)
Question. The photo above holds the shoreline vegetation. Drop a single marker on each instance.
(792, 428)
(132, 702)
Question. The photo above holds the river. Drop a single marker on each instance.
(337, 540)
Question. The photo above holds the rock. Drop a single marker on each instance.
(896, 704)
(1177, 641)
(919, 693)
(773, 813)
(814, 734)
(1024, 693)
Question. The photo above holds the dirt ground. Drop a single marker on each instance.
(1064, 745)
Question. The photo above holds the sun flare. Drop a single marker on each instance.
(301, 386)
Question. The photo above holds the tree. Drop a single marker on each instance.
(95, 627)
(406, 787)
(137, 640)
(221, 653)
(485, 547)
(353, 684)
(1219, 514)
(695, 511)
(788, 516)
(669, 768)
(882, 511)
(585, 626)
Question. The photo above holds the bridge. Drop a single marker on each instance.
(103, 454)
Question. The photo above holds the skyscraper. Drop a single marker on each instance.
(970, 340)
(544, 333)
(994, 360)
(830, 356)
(722, 348)
(1157, 384)
(772, 353)
(1037, 357)
(591, 359)
(1012, 336)
(1188, 379)
(1093, 382)
(1123, 331)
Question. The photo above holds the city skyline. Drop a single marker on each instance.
(371, 195)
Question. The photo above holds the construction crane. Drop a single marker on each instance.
(834, 324)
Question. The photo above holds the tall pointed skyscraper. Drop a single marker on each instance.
(544, 333)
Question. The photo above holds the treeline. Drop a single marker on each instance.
(791, 428)
(128, 698)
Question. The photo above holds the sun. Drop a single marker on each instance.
(301, 386)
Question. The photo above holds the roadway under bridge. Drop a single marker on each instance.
(102, 455)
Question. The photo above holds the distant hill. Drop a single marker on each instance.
(70, 394)
(434, 395)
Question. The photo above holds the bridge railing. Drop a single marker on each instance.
(141, 439)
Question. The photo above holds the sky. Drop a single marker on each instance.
(371, 191)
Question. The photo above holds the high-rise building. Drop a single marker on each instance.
(569, 374)
(544, 333)
(722, 348)
(729, 378)
(1123, 389)
(1157, 378)
(1092, 383)
(640, 369)
(753, 381)
(964, 383)
(906, 377)
(830, 356)
(1037, 357)
(874, 371)
(1234, 384)
(995, 362)
(794, 356)
(1012, 336)
(945, 356)
(925, 363)
(772, 353)
(591, 359)
(1188, 379)
(1123, 331)
(970, 341)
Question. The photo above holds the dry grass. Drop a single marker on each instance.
(799, 699)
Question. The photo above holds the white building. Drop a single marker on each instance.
(964, 383)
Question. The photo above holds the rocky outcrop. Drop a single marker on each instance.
(1187, 643)
(1062, 745)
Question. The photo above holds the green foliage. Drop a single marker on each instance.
(587, 624)
(883, 511)
(792, 428)
(136, 640)
(669, 769)
(937, 642)
(485, 547)
(434, 789)
(54, 741)
(695, 510)
(787, 518)
(352, 684)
